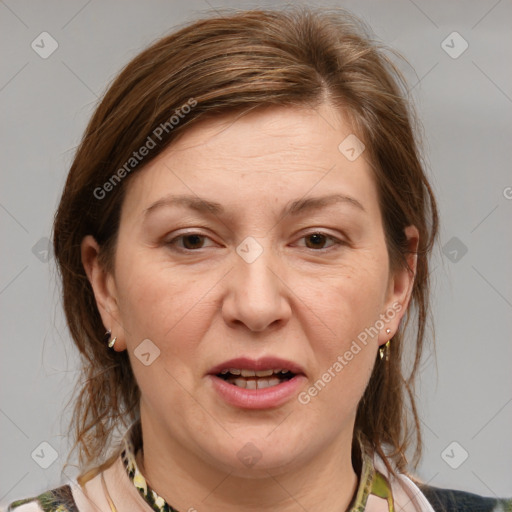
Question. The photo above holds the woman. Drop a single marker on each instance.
(243, 241)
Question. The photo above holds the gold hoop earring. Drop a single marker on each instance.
(111, 342)
(384, 350)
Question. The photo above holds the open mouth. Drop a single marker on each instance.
(255, 379)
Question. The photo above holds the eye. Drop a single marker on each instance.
(318, 239)
(190, 241)
(195, 241)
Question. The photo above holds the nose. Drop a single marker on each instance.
(258, 296)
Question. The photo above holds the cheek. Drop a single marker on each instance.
(343, 363)
(341, 311)
(173, 310)
(346, 301)
(166, 305)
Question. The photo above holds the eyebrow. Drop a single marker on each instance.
(294, 208)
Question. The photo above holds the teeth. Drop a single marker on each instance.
(264, 373)
(253, 373)
(268, 383)
(251, 384)
(241, 383)
(255, 383)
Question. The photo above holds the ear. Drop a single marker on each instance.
(105, 291)
(400, 287)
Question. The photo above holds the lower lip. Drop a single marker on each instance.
(257, 398)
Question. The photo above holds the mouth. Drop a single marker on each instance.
(255, 379)
(264, 383)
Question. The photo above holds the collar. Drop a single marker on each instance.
(371, 480)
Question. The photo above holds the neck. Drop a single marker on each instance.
(320, 484)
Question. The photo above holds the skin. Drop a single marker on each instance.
(302, 299)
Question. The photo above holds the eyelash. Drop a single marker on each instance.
(336, 242)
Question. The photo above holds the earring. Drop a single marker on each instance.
(384, 350)
(107, 339)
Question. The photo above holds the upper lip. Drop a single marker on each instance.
(264, 363)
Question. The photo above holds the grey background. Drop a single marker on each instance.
(465, 105)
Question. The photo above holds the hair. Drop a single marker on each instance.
(239, 62)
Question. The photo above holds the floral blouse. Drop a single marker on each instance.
(371, 482)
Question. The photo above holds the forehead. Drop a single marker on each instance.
(266, 157)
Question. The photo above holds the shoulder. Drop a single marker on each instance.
(450, 500)
(59, 499)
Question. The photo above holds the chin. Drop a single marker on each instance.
(257, 458)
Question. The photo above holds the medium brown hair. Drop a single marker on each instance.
(239, 62)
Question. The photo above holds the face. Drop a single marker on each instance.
(267, 277)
